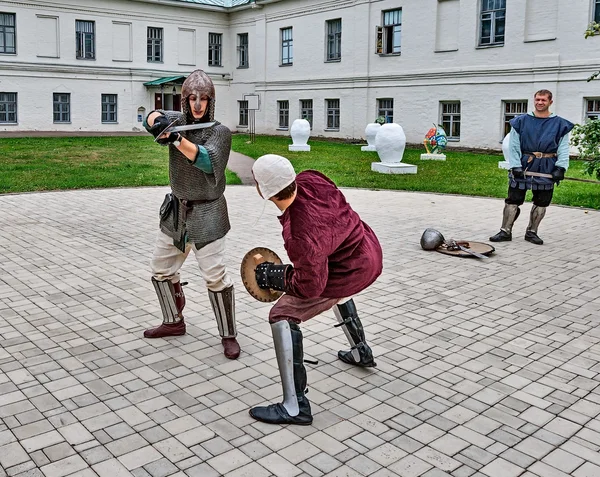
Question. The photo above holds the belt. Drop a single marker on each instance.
(191, 203)
(539, 155)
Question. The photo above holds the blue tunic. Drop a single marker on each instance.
(545, 135)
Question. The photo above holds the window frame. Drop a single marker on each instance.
(7, 31)
(594, 113)
(596, 11)
(243, 115)
(283, 114)
(64, 107)
(493, 13)
(81, 40)
(332, 112)
(385, 40)
(106, 111)
(521, 106)
(286, 44)
(215, 49)
(243, 50)
(381, 108)
(452, 121)
(152, 44)
(5, 102)
(333, 40)
(307, 112)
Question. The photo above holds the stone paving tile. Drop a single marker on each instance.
(478, 374)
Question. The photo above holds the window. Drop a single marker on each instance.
(8, 37)
(306, 110)
(385, 108)
(243, 107)
(592, 110)
(493, 14)
(85, 48)
(287, 46)
(62, 107)
(333, 113)
(109, 108)
(451, 120)
(215, 41)
(512, 109)
(155, 45)
(597, 11)
(283, 110)
(8, 107)
(334, 40)
(390, 34)
(242, 49)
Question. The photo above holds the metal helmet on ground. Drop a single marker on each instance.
(199, 84)
(431, 239)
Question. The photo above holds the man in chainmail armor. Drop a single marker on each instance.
(194, 216)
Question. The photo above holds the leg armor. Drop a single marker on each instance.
(510, 214)
(360, 353)
(295, 408)
(535, 217)
(172, 300)
(223, 305)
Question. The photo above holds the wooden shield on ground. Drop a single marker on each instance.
(249, 263)
(479, 247)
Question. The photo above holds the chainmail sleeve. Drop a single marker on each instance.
(218, 146)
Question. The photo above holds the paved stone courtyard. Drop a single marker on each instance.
(485, 368)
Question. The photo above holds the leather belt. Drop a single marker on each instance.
(191, 203)
(539, 155)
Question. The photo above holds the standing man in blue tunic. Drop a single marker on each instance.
(539, 144)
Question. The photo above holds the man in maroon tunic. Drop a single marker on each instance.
(334, 255)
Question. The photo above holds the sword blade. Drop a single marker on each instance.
(189, 127)
(475, 254)
(549, 176)
(165, 130)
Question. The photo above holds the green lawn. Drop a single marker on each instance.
(462, 173)
(55, 163)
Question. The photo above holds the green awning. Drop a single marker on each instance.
(166, 80)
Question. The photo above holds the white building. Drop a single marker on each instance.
(83, 65)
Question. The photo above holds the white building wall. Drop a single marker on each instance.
(544, 48)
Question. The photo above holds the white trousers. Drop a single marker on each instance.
(167, 260)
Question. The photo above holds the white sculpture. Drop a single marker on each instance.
(505, 164)
(390, 143)
(371, 132)
(300, 133)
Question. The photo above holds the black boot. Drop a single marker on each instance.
(510, 214)
(287, 338)
(535, 217)
(360, 353)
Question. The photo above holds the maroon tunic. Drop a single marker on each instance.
(334, 253)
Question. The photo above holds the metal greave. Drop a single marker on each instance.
(223, 305)
(535, 217)
(349, 321)
(166, 298)
(509, 215)
(285, 353)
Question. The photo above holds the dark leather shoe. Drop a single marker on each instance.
(501, 236)
(366, 357)
(166, 329)
(533, 238)
(231, 348)
(276, 414)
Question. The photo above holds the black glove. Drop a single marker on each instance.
(268, 275)
(558, 174)
(160, 124)
(171, 138)
(518, 173)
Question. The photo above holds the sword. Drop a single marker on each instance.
(170, 128)
(549, 176)
(454, 243)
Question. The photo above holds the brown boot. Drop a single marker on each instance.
(231, 348)
(166, 329)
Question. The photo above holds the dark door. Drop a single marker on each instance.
(177, 102)
(158, 101)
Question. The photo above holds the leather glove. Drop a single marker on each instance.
(160, 124)
(518, 173)
(268, 275)
(558, 174)
(171, 138)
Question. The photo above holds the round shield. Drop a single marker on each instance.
(477, 247)
(249, 263)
